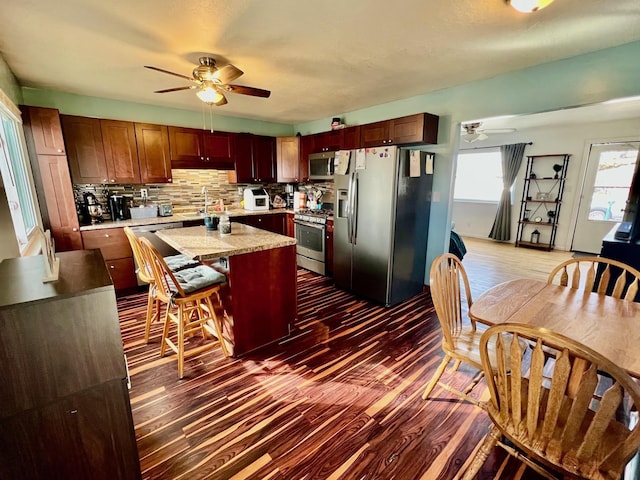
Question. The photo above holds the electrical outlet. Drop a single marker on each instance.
(143, 193)
(240, 190)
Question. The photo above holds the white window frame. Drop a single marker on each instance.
(467, 174)
(28, 238)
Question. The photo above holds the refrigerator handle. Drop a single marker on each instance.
(354, 210)
(350, 208)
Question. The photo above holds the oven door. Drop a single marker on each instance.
(310, 245)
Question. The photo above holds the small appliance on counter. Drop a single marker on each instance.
(289, 190)
(165, 210)
(94, 209)
(119, 205)
(256, 199)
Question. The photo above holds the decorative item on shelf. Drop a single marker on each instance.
(533, 175)
(527, 215)
(557, 168)
(529, 197)
(537, 219)
(535, 236)
(551, 214)
(542, 196)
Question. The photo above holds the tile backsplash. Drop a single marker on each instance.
(185, 192)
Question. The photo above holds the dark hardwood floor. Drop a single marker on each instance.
(339, 399)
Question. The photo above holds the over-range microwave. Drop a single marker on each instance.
(321, 166)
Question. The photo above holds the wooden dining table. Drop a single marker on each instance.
(609, 326)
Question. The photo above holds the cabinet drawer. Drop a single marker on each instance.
(122, 273)
(111, 241)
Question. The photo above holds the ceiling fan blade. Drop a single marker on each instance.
(168, 72)
(176, 89)
(227, 74)
(242, 90)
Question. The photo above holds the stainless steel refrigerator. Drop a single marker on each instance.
(381, 225)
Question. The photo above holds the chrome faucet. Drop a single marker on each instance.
(206, 200)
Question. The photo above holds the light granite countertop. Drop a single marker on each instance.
(198, 242)
(179, 217)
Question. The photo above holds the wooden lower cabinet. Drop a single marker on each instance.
(273, 222)
(291, 227)
(115, 248)
(64, 405)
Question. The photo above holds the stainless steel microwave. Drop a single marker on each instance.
(321, 166)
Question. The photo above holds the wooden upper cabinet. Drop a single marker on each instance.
(306, 144)
(153, 153)
(187, 145)
(243, 171)
(85, 152)
(218, 150)
(328, 141)
(412, 129)
(419, 128)
(374, 134)
(264, 158)
(47, 131)
(288, 159)
(120, 151)
(351, 138)
(193, 148)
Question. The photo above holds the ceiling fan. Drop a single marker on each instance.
(473, 131)
(212, 82)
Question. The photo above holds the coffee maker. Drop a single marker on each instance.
(119, 207)
(94, 209)
(289, 190)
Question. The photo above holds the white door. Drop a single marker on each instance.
(610, 170)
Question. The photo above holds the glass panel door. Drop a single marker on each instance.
(605, 190)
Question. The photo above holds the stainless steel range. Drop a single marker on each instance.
(311, 226)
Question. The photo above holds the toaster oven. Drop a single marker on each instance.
(165, 210)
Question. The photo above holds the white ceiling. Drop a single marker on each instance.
(319, 58)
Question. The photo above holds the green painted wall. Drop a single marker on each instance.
(9, 84)
(72, 104)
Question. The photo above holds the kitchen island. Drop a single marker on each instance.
(261, 307)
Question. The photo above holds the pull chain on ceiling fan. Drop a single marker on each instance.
(212, 82)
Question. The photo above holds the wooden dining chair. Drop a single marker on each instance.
(145, 274)
(555, 419)
(188, 296)
(597, 274)
(460, 339)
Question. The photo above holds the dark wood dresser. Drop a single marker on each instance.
(64, 404)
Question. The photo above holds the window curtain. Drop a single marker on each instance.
(511, 161)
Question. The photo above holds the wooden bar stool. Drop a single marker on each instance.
(187, 295)
(145, 274)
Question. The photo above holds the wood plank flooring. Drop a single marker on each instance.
(339, 399)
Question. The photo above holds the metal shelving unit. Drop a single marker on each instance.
(541, 200)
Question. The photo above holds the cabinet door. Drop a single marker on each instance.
(414, 129)
(86, 435)
(187, 147)
(288, 155)
(264, 158)
(84, 149)
(153, 153)
(123, 273)
(47, 131)
(351, 138)
(375, 134)
(243, 171)
(328, 141)
(58, 193)
(112, 242)
(306, 147)
(218, 149)
(290, 226)
(120, 151)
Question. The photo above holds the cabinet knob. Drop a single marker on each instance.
(74, 229)
(112, 267)
(259, 219)
(169, 180)
(113, 180)
(60, 150)
(106, 235)
(202, 159)
(104, 180)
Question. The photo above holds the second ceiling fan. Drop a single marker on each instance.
(212, 82)
(473, 132)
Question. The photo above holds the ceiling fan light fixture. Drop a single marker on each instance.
(209, 95)
(529, 6)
